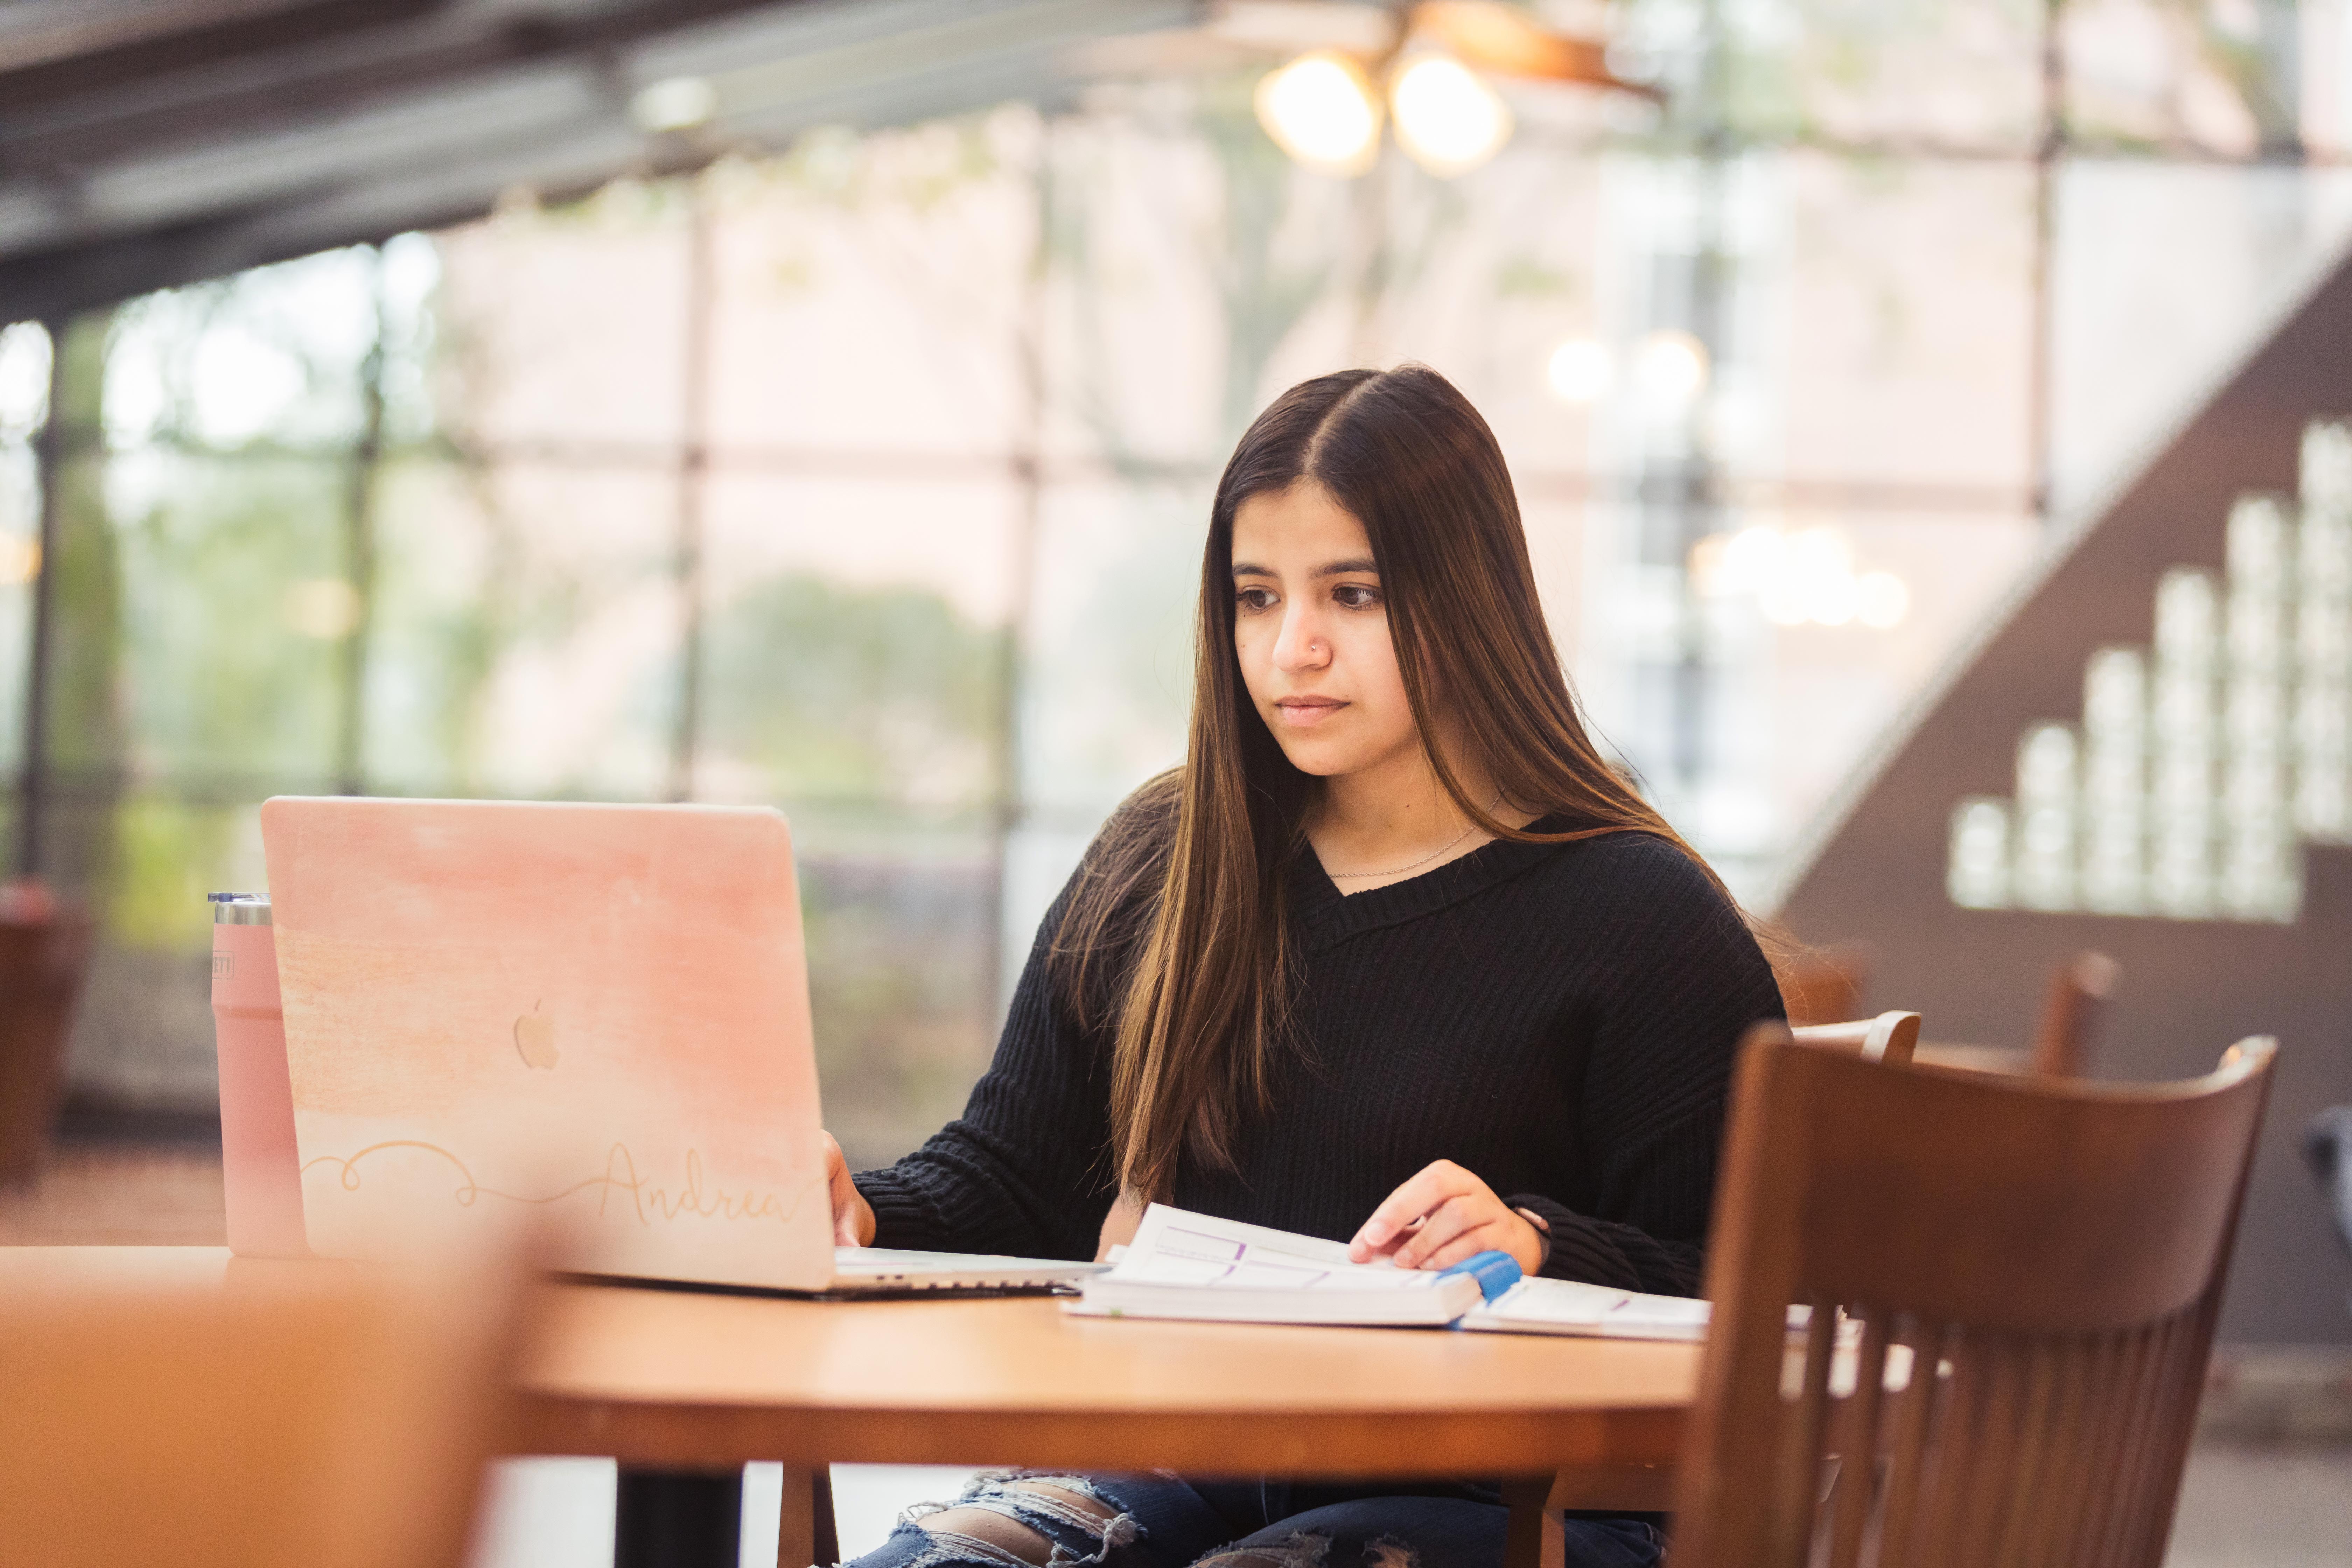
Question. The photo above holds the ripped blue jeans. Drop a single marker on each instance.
(1160, 1520)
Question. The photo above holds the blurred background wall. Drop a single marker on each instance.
(854, 455)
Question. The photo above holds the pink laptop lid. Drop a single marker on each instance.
(597, 1012)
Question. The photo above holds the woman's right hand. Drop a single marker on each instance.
(852, 1216)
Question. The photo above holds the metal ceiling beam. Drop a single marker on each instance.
(87, 55)
(362, 177)
(212, 95)
(53, 285)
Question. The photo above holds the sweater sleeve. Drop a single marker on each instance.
(1025, 1170)
(1688, 980)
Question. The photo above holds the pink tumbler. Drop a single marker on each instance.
(261, 1171)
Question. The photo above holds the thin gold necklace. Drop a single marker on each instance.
(1359, 875)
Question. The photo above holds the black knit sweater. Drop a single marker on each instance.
(1559, 1020)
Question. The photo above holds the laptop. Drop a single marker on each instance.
(599, 1013)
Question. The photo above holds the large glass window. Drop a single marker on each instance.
(869, 477)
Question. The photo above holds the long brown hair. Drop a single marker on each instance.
(1186, 885)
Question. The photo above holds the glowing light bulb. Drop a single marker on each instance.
(1832, 601)
(1672, 366)
(24, 376)
(1321, 111)
(1756, 555)
(1822, 564)
(1578, 370)
(1784, 601)
(674, 103)
(1885, 599)
(1447, 118)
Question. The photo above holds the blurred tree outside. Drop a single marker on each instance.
(882, 695)
(85, 732)
(874, 709)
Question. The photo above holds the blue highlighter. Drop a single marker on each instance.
(1496, 1272)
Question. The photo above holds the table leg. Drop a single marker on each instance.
(804, 1532)
(678, 1519)
(1523, 1539)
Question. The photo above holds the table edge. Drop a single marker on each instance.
(689, 1434)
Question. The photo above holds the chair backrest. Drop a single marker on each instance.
(2032, 1269)
(2081, 992)
(296, 1416)
(1889, 1037)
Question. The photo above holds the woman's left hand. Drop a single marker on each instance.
(1460, 1217)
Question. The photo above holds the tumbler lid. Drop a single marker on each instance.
(239, 908)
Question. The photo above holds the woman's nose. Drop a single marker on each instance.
(1301, 644)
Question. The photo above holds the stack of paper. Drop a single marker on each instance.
(1183, 1265)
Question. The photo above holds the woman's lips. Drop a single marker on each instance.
(1305, 712)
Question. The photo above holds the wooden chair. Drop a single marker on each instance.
(1534, 1500)
(301, 1415)
(2034, 1268)
(1889, 1037)
(2073, 1012)
(2081, 992)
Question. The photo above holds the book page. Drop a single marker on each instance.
(1567, 1302)
(1558, 1302)
(1175, 1247)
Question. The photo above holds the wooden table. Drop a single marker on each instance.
(686, 1380)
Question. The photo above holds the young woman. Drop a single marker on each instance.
(1394, 957)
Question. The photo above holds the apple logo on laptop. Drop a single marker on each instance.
(534, 1038)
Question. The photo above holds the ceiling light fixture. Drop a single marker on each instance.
(1447, 118)
(1322, 111)
(1323, 108)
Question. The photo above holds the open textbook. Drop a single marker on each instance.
(1185, 1265)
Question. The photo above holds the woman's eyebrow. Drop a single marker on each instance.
(1335, 569)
